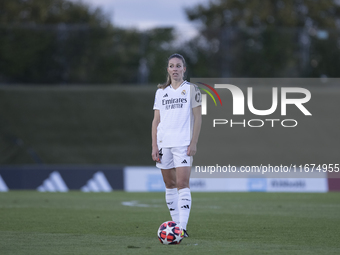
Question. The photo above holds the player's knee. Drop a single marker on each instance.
(170, 184)
(182, 184)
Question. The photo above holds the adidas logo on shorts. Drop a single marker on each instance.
(184, 162)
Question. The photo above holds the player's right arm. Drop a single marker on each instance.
(155, 122)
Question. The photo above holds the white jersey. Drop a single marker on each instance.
(176, 117)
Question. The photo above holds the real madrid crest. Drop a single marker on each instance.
(183, 92)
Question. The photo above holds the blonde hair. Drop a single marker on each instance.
(168, 78)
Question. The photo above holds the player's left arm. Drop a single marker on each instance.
(196, 131)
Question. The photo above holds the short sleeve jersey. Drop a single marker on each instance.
(176, 116)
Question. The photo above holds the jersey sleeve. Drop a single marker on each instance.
(196, 97)
(156, 102)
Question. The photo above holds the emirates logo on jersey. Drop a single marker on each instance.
(174, 101)
(183, 92)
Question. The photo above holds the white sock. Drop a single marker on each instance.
(184, 205)
(171, 198)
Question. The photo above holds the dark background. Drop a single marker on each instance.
(76, 89)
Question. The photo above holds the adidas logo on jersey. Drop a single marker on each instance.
(3, 186)
(98, 183)
(184, 162)
(54, 183)
(166, 95)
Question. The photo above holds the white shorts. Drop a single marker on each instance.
(174, 157)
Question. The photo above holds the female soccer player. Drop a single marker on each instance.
(175, 129)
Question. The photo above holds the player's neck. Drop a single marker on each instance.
(176, 84)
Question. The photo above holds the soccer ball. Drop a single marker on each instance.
(170, 232)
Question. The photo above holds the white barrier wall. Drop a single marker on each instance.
(148, 179)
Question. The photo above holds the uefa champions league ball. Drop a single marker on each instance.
(170, 233)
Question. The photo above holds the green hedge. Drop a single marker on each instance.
(76, 125)
(112, 125)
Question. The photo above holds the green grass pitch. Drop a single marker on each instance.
(126, 223)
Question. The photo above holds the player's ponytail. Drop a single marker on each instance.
(167, 83)
(168, 78)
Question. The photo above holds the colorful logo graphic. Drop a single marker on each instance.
(209, 93)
